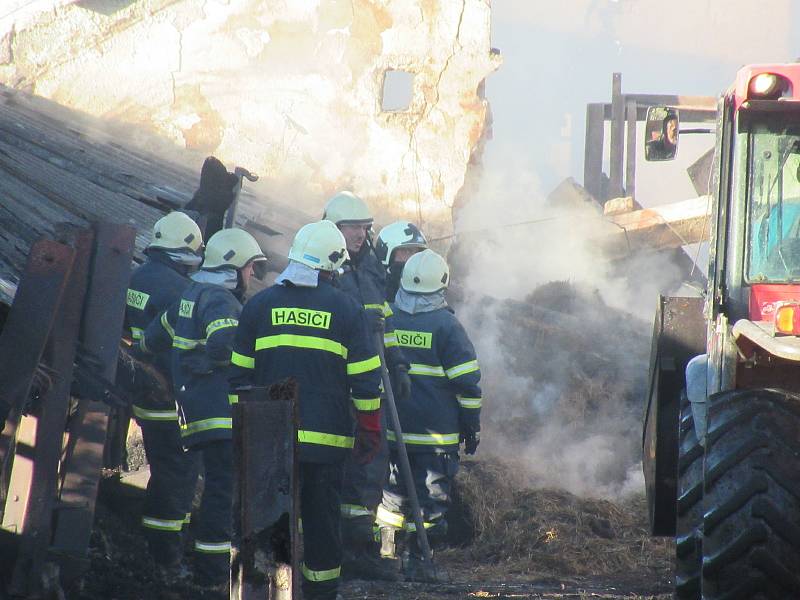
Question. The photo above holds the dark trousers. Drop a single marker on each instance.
(170, 490)
(362, 490)
(212, 543)
(433, 476)
(320, 496)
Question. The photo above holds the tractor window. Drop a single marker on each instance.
(774, 204)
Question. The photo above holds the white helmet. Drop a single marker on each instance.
(425, 273)
(176, 231)
(231, 248)
(346, 207)
(400, 234)
(319, 245)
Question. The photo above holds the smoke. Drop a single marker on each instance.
(562, 333)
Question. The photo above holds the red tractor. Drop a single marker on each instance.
(722, 426)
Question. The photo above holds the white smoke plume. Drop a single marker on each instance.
(564, 364)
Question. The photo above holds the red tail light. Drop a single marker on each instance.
(765, 299)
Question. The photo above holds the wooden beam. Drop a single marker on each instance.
(666, 226)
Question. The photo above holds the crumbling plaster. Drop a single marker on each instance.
(290, 89)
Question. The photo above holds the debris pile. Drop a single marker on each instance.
(564, 379)
(515, 532)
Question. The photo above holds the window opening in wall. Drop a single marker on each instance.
(105, 7)
(398, 90)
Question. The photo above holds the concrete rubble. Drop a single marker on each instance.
(292, 90)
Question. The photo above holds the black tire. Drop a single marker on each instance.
(751, 526)
(689, 524)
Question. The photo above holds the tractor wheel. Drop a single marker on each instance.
(751, 526)
(689, 525)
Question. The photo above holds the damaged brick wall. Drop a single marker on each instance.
(293, 90)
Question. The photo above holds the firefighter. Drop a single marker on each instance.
(304, 327)
(215, 195)
(443, 410)
(397, 243)
(200, 329)
(174, 251)
(363, 278)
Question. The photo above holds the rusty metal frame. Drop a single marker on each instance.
(34, 482)
(101, 330)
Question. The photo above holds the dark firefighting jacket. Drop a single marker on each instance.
(154, 286)
(200, 328)
(365, 282)
(319, 337)
(445, 395)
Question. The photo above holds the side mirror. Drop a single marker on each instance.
(661, 133)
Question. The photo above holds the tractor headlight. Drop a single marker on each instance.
(767, 86)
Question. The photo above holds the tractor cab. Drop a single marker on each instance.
(722, 426)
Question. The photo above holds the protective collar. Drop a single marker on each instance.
(227, 278)
(299, 275)
(187, 259)
(420, 303)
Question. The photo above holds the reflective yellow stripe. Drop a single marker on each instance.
(469, 402)
(387, 310)
(387, 517)
(425, 439)
(233, 399)
(165, 324)
(240, 360)
(136, 333)
(462, 369)
(188, 518)
(431, 370)
(354, 510)
(205, 425)
(390, 339)
(162, 524)
(215, 326)
(369, 404)
(154, 415)
(301, 341)
(324, 439)
(378, 307)
(183, 343)
(212, 547)
(411, 526)
(363, 366)
(321, 575)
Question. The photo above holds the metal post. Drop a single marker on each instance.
(265, 543)
(617, 137)
(630, 149)
(593, 151)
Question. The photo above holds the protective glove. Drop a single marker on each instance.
(401, 382)
(368, 437)
(471, 439)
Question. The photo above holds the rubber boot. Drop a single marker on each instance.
(388, 546)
